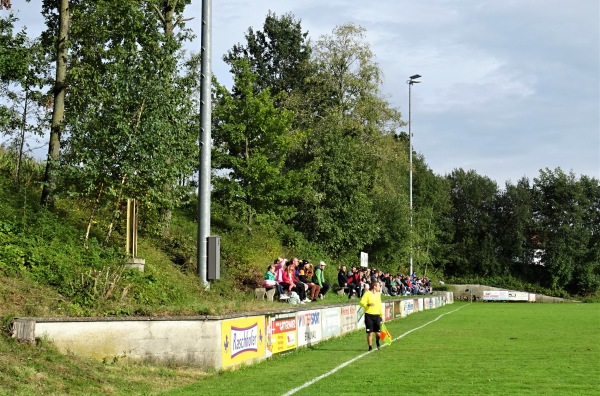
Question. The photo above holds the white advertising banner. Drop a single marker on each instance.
(518, 296)
(419, 304)
(495, 295)
(348, 318)
(408, 307)
(428, 303)
(364, 259)
(309, 327)
(331, 322)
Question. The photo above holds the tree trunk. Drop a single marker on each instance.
(116, 209)
(58, 111)
(22, 137)
(94, 209)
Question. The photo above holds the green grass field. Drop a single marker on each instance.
(460, 349)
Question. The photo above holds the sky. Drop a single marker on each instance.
(509, 87)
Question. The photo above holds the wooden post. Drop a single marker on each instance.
(131, 244)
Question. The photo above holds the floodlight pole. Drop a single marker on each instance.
(411, 80)
(205, 143)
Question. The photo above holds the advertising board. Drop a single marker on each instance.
(281, 333)
(309, 327)
(242, 339)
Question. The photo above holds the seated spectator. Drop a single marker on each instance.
(345, 281)
(356, 280)
(291, 283)
(305, 276)
(270, 282)
(389, 284)
(300, 269)
(319, 279)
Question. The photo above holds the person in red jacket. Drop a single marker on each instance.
(291, 283)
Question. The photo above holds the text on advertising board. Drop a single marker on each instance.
(243, 340)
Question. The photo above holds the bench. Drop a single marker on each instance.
(265, 293)
(342, 291)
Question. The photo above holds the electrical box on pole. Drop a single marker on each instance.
(213, 257)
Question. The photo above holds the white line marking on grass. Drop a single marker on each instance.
(362, 355)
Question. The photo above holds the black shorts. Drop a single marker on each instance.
(372, 323)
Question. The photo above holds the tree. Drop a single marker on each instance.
(474, 246)
(564, 213)
(22, 70)
(345, 120)
(128, 109)
(251, 140)
(513, 229)
(279, 55)
(58, 109)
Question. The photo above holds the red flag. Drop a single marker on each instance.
(384, 335)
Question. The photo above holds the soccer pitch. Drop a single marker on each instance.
(459, 349)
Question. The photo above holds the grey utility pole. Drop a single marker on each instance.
(411, 80)
(205, 142)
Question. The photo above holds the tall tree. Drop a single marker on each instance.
(251, 140)
(513, 229)
(563, 208)
(279, 55)
(345, 119)
(473, 242)
(58, 109)
(128, 129)
(22, 69)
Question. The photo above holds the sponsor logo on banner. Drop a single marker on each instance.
(242, 339)
(408, 307)
(388, 312)
(348, 318)
(309, 327)
(518, 296)
(495, 295)
(282, 330)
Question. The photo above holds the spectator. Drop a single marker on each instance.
(389, 284)
(305, 276)
(279, 263)
(271, 282)
(291, 283)
(356, 281)
(345, 281)
(319, 279)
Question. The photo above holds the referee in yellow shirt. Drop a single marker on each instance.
(371, 302)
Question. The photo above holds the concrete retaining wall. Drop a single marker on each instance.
(210, 341)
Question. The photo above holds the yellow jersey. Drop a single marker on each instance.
(371, 298)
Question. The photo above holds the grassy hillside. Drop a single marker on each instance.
(48, 269)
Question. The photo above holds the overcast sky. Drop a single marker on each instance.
(509, 87)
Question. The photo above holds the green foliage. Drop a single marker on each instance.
(127, 125)
(279, 55)
(251, 141)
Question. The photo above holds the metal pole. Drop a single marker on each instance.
(205, 142)
(411, 80)
(410, 173)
